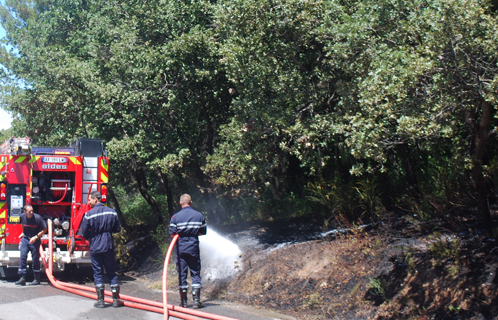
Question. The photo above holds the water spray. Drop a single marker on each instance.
(220, 256)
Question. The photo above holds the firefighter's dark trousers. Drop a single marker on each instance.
(35, 255)
(101, 260)
(186, 261)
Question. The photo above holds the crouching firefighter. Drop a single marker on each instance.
(189, 224)
(33, 227)
(97, 227)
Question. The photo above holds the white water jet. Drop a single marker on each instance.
(220, 257)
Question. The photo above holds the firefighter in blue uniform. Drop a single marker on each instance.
(33, 227)
(188, 224)
(97, 227)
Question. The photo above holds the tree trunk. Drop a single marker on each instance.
(115, 203)
(167, 189)
(411, 178)
(482, 135)
(143, 188)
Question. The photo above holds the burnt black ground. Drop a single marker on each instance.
(401, 268)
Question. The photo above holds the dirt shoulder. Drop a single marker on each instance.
(401, 269)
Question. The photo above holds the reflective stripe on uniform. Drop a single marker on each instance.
(101, 214)
(189, 225)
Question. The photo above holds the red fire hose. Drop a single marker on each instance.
(165, 275)
(62, 198)
(128, 301)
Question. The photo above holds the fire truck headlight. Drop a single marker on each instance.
(65, 225)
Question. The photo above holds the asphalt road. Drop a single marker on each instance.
(47, 302)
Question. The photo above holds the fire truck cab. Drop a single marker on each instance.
(56, 182)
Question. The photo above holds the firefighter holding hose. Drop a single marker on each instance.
(97, 227)
(33, 227)
(189, 224)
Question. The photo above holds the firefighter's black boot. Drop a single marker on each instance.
(36, 280)
(196, 295)
(22, 281)
(183, 297)
(100, 296)
(116, 302)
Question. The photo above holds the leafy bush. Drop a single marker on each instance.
(346, 202)
(134, 207)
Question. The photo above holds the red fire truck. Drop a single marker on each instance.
(56, 181)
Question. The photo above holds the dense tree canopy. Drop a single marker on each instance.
(267, 109)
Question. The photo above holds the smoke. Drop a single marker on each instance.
(220, 257)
